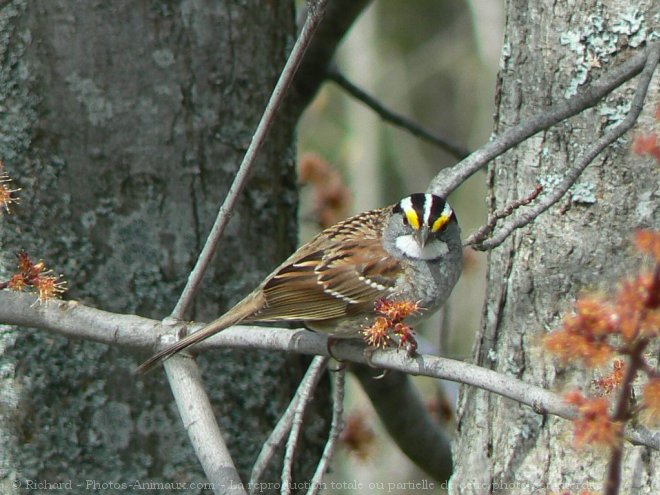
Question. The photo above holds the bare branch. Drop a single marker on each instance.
(449, 179)
(272, 443)
(258, 138)
(202, 429)
(547, 200)
(75, 320)
(336, 426)
(395, 119)
(338, 19)
(622, 414)
(211, 450)
(309, 382)
(303, 398)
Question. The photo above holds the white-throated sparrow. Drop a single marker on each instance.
(408, 251)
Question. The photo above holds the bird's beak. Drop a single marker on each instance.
(422, 235)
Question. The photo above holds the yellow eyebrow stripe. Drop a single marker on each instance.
(413, 219)
(439, 223)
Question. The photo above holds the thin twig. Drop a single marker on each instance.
(394, 118)
(336, 427)
(574, 173)
(314, 17)
(210, 449)
(75, 320)
(274, 440)
(316, 368)
(449, 179)
(272, 443)
(339, 16)
(483, 232)
(622, 414)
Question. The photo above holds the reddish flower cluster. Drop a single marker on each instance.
(584, 335)
(331, 195)
(388, 322)
(593, 425)
(357, 436)
(648, 144)
(648, 242)
(609, 382)
(603, 328)
(6, 192)
(651, 402)
(36, 276)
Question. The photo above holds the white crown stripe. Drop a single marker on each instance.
(428, 206)
(406, 204)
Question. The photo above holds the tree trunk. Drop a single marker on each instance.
(582, 243)
(124, 124)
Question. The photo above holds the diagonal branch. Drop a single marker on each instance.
(304, 396)
(395, 119)
(75, 320)
(449, 179)
(309, 382)
(570, 177)
(202, 428)
(286, 77)
(481, 234)
(336, 427)
(339, 16)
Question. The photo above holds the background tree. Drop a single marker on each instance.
(582, 243)
(124, 124)
(609, 36)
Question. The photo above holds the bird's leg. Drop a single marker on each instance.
(367, 354)
(328, 345)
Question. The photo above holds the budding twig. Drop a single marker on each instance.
(483, 232)
(571, 176)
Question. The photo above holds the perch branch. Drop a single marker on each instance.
(449, 179)
(76, 320)
(393, 118)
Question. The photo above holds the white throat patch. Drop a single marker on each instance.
(432, 251)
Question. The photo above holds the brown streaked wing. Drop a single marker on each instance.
(334, 275)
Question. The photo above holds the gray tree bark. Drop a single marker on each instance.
(124, 123)
(583, 243)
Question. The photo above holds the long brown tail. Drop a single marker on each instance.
(235, 315)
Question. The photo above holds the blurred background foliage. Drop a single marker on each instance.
(436, 63)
